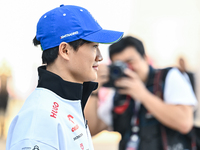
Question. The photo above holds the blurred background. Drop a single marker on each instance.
(169, 30)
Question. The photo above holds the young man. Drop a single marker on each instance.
(52, 116)
(160, 121)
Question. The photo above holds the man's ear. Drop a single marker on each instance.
(64, 50)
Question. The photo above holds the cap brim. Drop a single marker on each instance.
(104, 36)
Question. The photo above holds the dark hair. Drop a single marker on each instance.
(49, 55)
(124, 43)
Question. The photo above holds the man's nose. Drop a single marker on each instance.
(99, 57)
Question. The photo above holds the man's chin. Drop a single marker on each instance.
(93, 78)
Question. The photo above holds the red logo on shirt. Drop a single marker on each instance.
(54, 110)
(75, 128)
(70, 117)
(82, 147)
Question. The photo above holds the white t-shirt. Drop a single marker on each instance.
(48, 122)
(177, 91)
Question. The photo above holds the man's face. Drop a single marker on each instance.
(134, 60)
(84, 62)
(182, 64)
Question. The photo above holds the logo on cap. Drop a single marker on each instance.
(70, 34)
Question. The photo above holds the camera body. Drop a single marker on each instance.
(116, 71)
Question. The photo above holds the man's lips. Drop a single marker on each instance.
(95, 67)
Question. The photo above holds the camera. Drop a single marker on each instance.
(116, 71)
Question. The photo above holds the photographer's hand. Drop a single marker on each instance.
(178, 117)
(131, 85)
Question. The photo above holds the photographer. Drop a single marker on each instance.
(152, 109)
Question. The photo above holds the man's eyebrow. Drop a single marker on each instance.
(96, 44)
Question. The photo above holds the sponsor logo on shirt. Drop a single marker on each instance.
(74, 128)
(78, 136)
(36, 147)
(54, 110)
(26, 148)
(82, 147)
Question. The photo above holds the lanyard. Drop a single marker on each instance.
(133, 142)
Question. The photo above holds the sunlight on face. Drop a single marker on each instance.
(84, 62)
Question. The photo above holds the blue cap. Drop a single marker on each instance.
(68, 23)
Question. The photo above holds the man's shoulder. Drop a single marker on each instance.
(37, 103)
(175, 77)
(165, 70)
(35, 117)
(178, 89)
(35, 124)
(172, 72)
(37, 111)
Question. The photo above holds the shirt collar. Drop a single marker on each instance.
(65, 89)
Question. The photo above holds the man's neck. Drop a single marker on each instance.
(62, 72)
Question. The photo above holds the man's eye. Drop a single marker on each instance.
(95, 46)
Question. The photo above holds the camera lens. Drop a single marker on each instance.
(116, 72)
